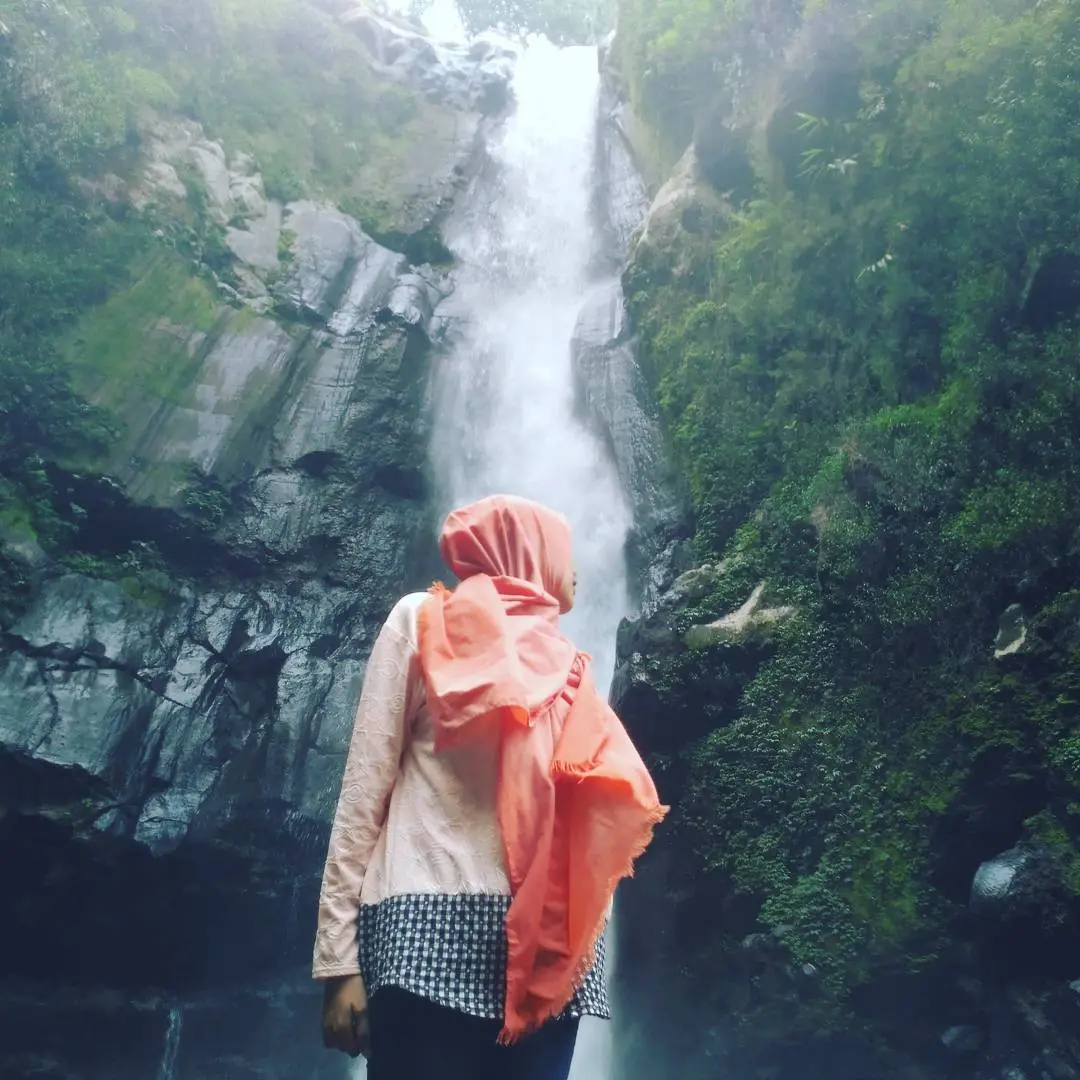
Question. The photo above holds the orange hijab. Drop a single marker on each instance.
(576, 804)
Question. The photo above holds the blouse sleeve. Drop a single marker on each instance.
(371, 771)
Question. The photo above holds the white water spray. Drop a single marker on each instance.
(503, 391)
(167, 1068)
(504, 417)
(443, 21)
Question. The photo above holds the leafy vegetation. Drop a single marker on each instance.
(563, 21)
(99, 302)
(684, 60)
(62, 253)
(113, 354)
(279, 79)
(867, 363)
(206, 498)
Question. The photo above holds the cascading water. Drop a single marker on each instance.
(503, 408)
(167, 1068)
(503, 391)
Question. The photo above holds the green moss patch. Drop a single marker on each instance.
(874, 414)
(144, 345)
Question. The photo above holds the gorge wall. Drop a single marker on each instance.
(190, 600)
(854, 298)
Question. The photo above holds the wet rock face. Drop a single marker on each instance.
(620, 197)
(611, 388)
(318, 387)
(676, 679)
(473, 77)
(169, 757)
(611, 391)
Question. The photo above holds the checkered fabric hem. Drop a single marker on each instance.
(452, 950)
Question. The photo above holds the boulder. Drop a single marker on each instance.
(1027, 917)
(681, 208)
(1012, 632)
(752, 621)
(962, 1039)
(233, 190)
(667, 689)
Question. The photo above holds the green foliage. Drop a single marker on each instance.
(14, 590)
(286, 242)
(1047, 829)
(563, 21)
(1007, 509)
(278, 78)
(62, 253)
(677, 54)
(871, 385)
(16, 524)
(141, 572)
(206, 499)
(138, 344)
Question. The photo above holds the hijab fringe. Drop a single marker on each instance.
(508, 1037)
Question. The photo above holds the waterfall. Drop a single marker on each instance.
(503, 392)
(503, 396)
(167, 1068)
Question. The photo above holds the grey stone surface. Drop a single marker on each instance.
(613, 392)
(173, 742)
(472, 77)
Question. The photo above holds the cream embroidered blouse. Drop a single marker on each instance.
(415, 890)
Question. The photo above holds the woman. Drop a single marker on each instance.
(491, 802)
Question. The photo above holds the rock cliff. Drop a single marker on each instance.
(177, 680)
(855, 682)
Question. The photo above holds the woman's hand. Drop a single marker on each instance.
(345, 1016)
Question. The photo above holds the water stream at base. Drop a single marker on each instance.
(167, 1068)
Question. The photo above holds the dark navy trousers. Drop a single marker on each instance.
(415, 1039)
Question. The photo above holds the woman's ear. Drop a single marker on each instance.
(567, 593)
